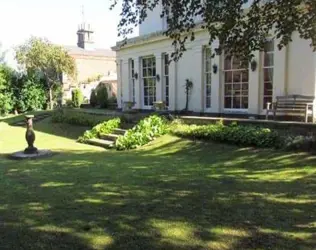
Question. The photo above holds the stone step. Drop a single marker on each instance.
(101, 143)
(109, 137)
(119, 131)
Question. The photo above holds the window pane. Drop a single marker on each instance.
(228, 77)
(245, 76)
(144, 63)
(208, 90)
(144, 72)
(268, 75)
(208, 102)
(236, 102)
(208, 78)
(228, 89)
(236, 63)
(150, 71)
(244, 102)
(237, 76)
(227, 63)
(268, 59)
(228, 102)
(154, 71)
(245, 86)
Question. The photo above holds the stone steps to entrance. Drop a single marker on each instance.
(107, 141)
(101, 143)
(119, 131)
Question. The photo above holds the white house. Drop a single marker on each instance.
(232, 89)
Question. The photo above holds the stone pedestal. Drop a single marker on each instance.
(30, 135)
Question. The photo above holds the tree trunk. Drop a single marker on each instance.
(51, 104)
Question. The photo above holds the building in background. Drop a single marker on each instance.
(93, 65)
(221, 85)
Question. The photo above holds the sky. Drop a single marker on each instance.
(57, 20)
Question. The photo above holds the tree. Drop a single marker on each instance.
(5, 89)
(38, 54)
(240, 30)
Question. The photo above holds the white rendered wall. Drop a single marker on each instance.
(152, 23)
(294, 73)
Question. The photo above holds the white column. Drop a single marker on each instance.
(216, 95)
(279, 71)
(125, 81)
(254, 86)
(159, 72)
(197, 95)
(119, 82)
(172, 85)
(138, 87)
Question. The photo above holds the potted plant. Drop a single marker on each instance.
(159, 105)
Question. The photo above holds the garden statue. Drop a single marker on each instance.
(30, 135)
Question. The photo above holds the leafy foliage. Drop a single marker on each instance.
(234, 134)
(77, 98)
(145, 131)
(101, 129)
(6, 102)
(102, 96)
(93, 98)
(38, 54)
(29, 92)
(77, 118)
(241, 26)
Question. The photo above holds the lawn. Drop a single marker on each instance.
(172, 194)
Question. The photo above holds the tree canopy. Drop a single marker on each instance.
(241, 26)
(38, 54)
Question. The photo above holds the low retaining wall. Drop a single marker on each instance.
(292, 127)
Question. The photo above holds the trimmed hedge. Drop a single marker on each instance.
(103, 128)
(233, 134)
(78, 118)
(144, 132)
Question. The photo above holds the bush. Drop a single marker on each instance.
(93, 98)
(69, 103)
(299, 143)
(101, 129)
(102, 96)
(77, 118)
(5, 104)
(234, 134)
(77, 98)
(145, 131)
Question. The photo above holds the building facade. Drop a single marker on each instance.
(221, 85)
(91, 63)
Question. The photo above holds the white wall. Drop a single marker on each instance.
(152, 23)
(294, 73)
(301, 67)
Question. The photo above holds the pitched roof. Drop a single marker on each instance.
(74, 50)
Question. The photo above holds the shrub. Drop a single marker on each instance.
(145, 131)
(77, 118)
(5, 103)
(235, 134)
(101, 129)
(299, 143)
(77, 98)
(102, 96)
(93, 98)
(69, 103)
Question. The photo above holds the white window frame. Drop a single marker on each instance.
(132, 80)
(241, 95)
(166, 79)
(144, 78)
(263, 96)
(207, 74)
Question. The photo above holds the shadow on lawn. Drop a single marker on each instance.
(177, 196)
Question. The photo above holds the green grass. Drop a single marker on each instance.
(10, 119)
(172, 194)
